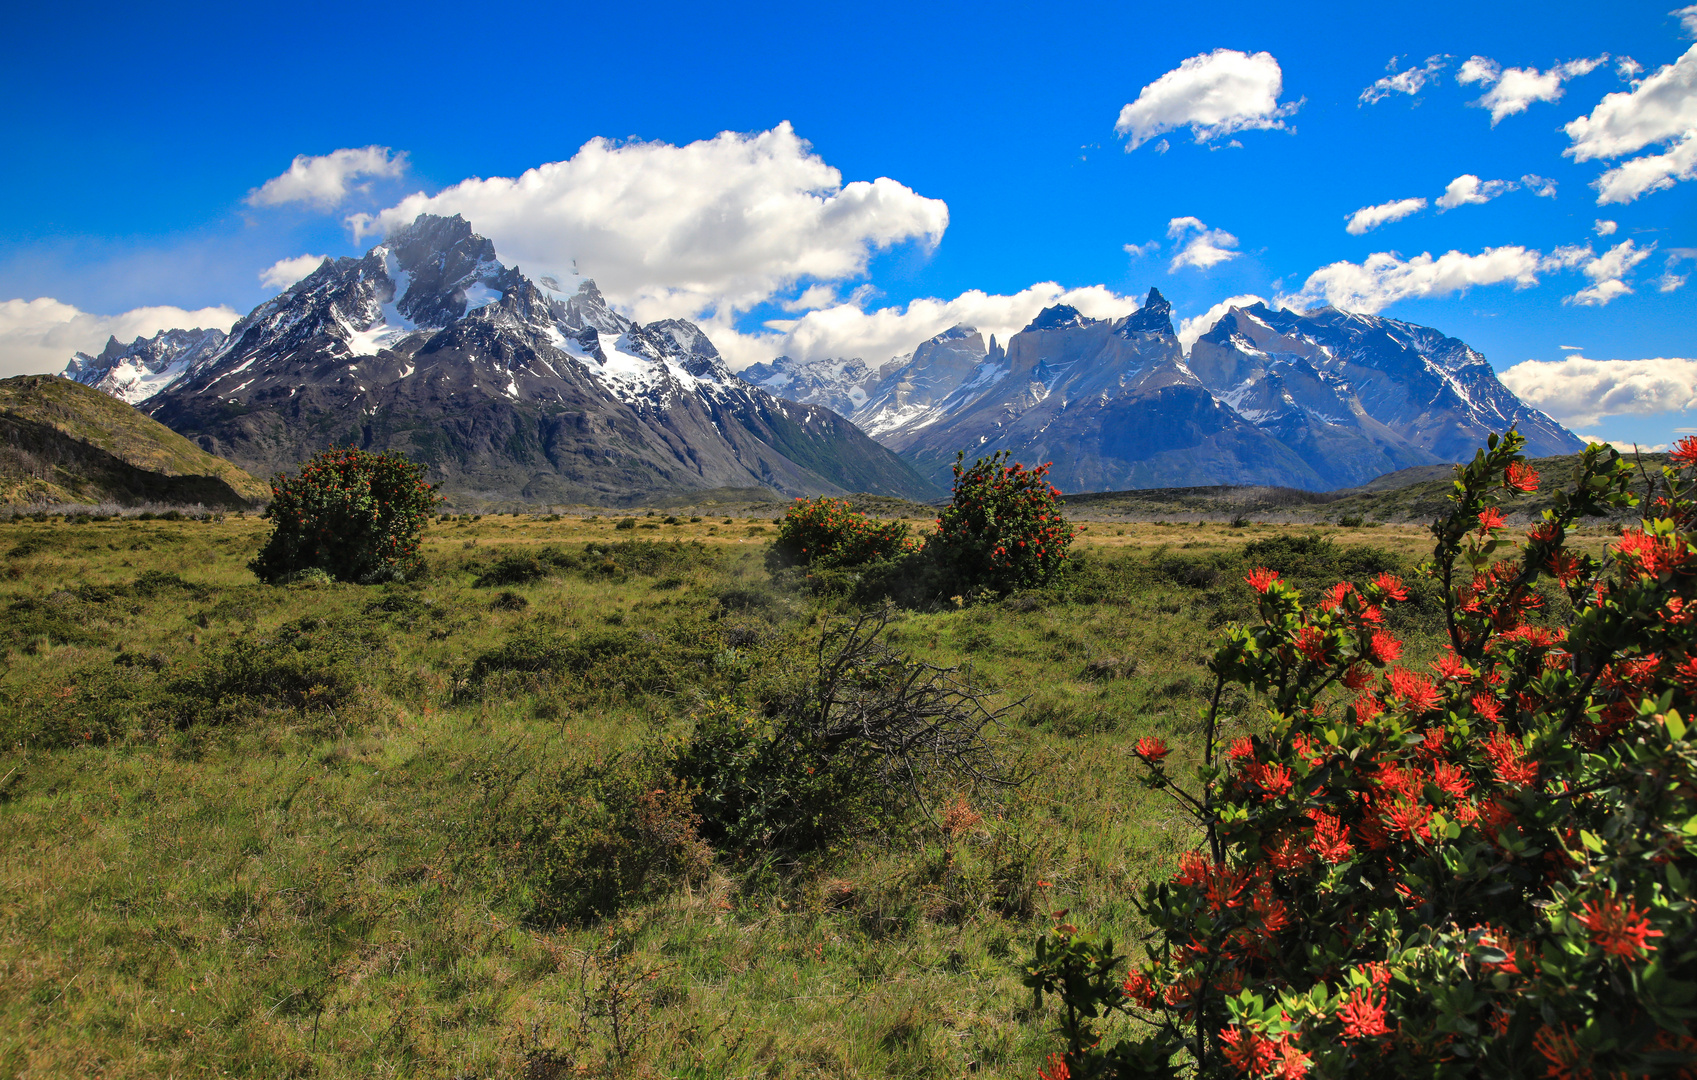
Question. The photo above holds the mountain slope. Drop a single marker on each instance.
(137, 371)
(507, 388)
(63, 442)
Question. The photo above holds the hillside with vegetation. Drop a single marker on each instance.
(62, 442)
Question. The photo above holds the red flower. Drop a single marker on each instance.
(1684, 453)
(1383, 648)
(1140, 988)
(1363, 1015)
(1261, 579)
(1506, 760)
(1567, 1060)
(1452, 779)
(1249, 1051)
(1621, 930)
(1057, 1069)
(1416, 692)
(1152, 749)
(1520, 477)
(1311, 642)
(1392, 587)
(1331, 837)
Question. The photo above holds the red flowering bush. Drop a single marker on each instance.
(826, 534)
(354, 515)
(1483, 869)
(1003, 530)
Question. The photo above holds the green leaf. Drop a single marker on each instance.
(1676, 726)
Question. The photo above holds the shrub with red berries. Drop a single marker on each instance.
(1482, 869)
(355, 515)
(1003, 530)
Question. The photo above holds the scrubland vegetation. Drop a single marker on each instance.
(572, 802)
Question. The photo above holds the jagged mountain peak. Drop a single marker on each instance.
(136, 371)
(1058, 317)
(1154, 317)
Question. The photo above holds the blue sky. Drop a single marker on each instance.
(141, 142)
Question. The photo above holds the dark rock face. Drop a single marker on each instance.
(506, 389)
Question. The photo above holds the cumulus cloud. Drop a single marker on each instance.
(721, 224)
(1410, 82)
(1194, 327)
(1204, 248)
(1660, 109)
(1669, 281)
(1467, 188)
(1650, 172)
(849, 329)
(1541, 186)
(1138, 251)
(326, 180)
(285, 272)
(1687, 17)
(1384, 277)
(1371, 217)
(1628, 68)
(1604, 228)
(1580, 392)
(1213, 94)
(1513, 89)
(1607, 273)
(40, 335)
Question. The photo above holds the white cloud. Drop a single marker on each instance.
(1384, 277)
(1605, 228)
(875, 336)
(1410, 82)
(1206, 247)
(1650, 172)
(1478, 69)
(324, 181)
(1687, 17)
(1541, 186)
(1213, 94)
(1659, 109)
(1513, 89)
(1628, 68)
(1371, 217)
(1580, 392)
(285, 272)
(1194, 327)
(40, 335)
(1138, 251)
(721, 224)
(1606, 272)
(1467, 188)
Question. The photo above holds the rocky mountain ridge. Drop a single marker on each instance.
(1319, 401)
(508, 388)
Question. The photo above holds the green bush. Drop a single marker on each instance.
(1003, 530)
(353, 515)
(826, 534)
(593, 837)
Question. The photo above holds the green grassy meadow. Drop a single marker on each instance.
(311, 830)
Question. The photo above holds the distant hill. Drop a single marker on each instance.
(62, 442)
(1414, 495)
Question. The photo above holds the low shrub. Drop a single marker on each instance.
(1003, 530)
(825, 534)
(354, 515)
(590, 838)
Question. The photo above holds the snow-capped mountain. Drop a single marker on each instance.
(1319, 401)
(137, 371)
(508, 388)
